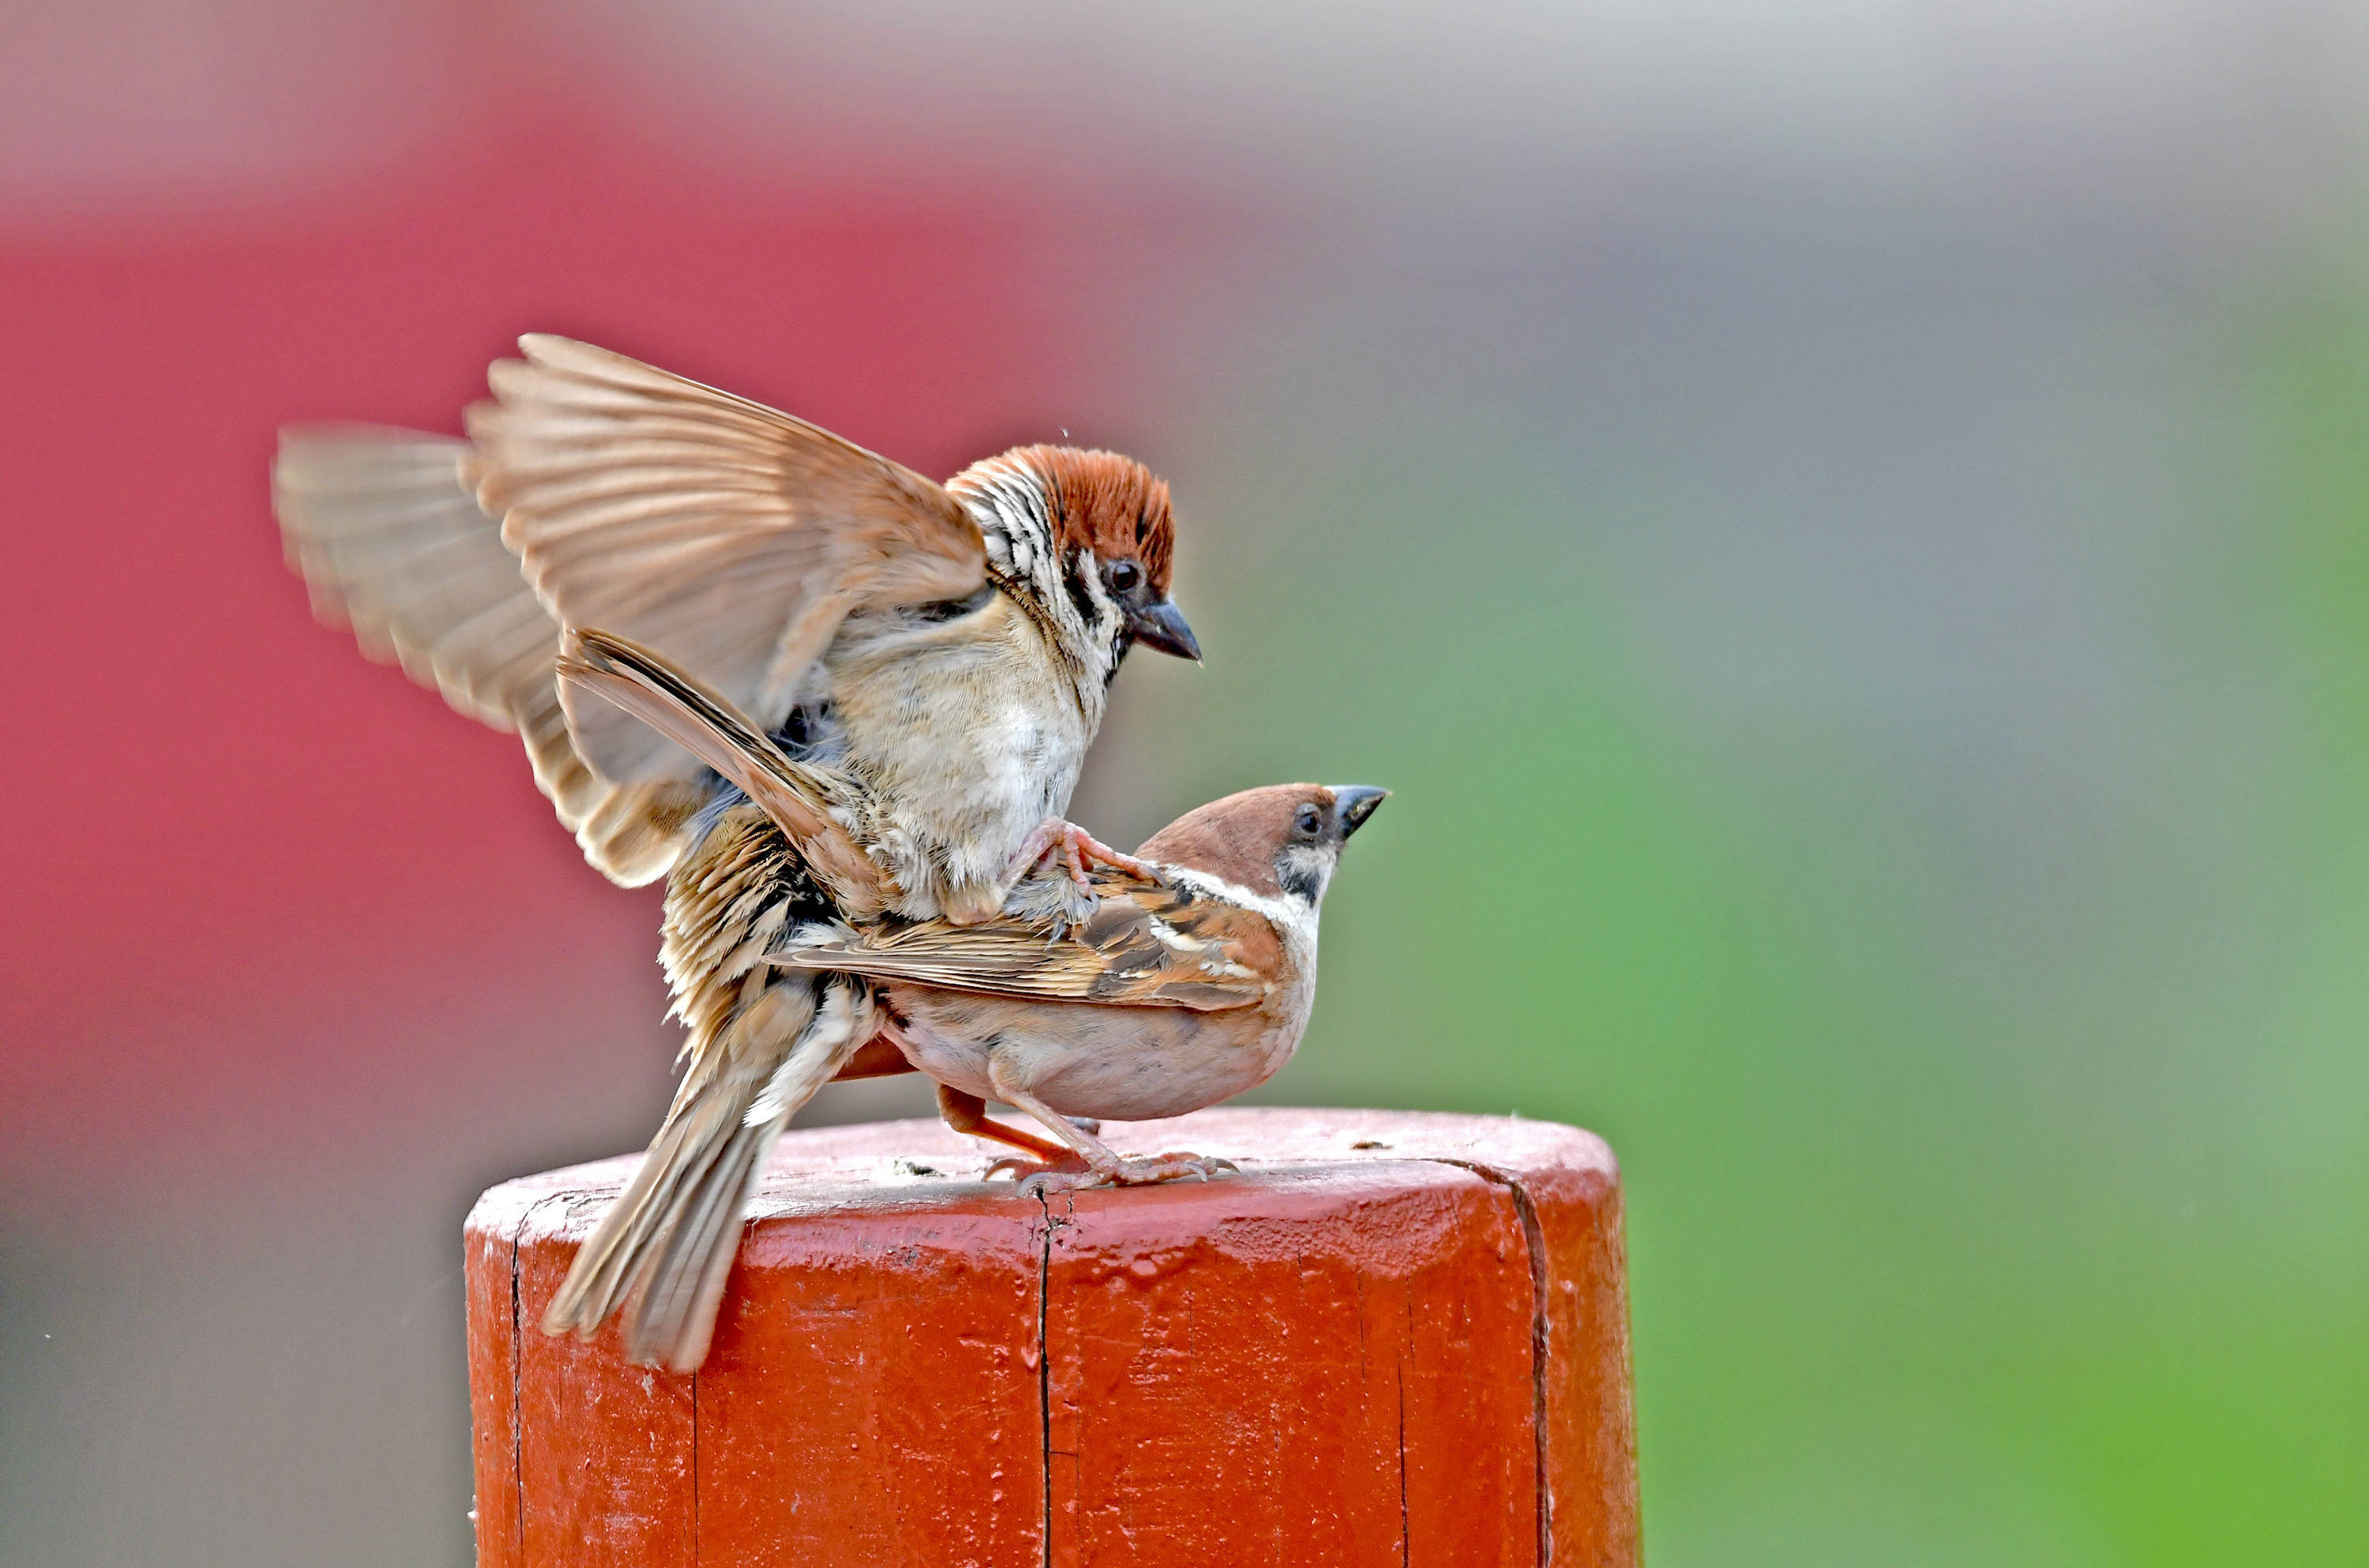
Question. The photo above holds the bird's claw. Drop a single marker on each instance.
(1144, 1171)
(1063, 856)
(1064, 844)
(1036, 1175)
(1094, 852)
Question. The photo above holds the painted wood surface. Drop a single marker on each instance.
(1397, 1338)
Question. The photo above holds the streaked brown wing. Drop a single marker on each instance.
(1150, 942)
(727, 535)
(384, 525)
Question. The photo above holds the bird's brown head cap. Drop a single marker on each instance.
(1109, 504)
(1103, 517)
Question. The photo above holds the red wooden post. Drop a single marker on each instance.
(1398, 1338)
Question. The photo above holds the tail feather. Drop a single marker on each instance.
(632, 1238)
(611, 1262)
(665, 1248)
(675, 1317)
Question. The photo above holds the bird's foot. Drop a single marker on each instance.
(1137, 1171)
(1144, 1170)
(1033, 1176)
(1057, 843)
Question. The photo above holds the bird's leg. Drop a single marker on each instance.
(1100, 1166)
(1103, 1167)
(967, 1114)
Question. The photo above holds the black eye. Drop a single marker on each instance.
(1124, 576)
(1310, 822)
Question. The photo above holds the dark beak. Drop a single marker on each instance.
(1355, 803)
(1163, 626)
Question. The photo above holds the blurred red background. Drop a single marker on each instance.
(295, 959)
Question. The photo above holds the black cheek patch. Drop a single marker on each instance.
(1295, 879)
(1074, 582)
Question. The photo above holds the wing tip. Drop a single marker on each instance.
(573, 356)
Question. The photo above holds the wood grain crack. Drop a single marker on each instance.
(518, 1404)
(1406, 1535)
(1045, 1367)
(1534, 1240)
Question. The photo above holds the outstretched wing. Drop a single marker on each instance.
(384, 525)
(1151, 942)
(725, 534)
(386, 531)
(798, 798)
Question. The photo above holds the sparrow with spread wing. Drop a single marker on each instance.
(946, 651)
(1189, 981)
(950, 646)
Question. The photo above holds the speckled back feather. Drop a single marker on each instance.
(1151, 942)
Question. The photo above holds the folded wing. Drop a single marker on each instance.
(1150, 942)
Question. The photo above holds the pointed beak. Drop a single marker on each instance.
(1355, 803)
(1163, 626)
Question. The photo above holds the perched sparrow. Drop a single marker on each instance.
(946, 649)
(1189, 982)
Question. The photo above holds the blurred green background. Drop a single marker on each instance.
(1845, 524)
(1897, 771)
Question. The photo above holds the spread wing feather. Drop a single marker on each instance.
(389, 539)
(729, 536)
(1150, 942)
(386, 528)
